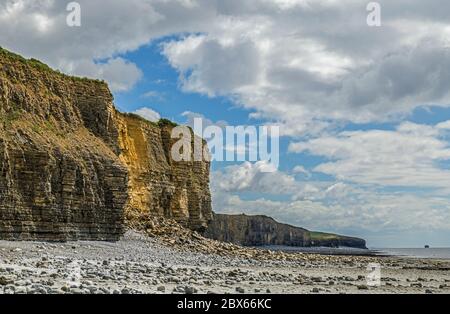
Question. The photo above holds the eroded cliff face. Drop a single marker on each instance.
(262, 230)
(255, 231)
(73, 167)
(157, 184)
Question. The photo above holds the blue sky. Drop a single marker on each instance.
(160, 78)
(364, 112)
(161, 81)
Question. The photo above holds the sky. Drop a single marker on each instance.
(364, 112)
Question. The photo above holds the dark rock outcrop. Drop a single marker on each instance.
(263, 230)
(73, 167)
(255, 231)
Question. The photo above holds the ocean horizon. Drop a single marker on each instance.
(434, 253)
(428, 253)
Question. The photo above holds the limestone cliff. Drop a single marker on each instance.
(263, 230)
(157, 184)
(73, 167)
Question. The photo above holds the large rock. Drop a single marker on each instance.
(73, 167)
(263, 230)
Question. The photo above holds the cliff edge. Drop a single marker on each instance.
(265, 231)
(72, 167)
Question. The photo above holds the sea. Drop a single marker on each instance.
(432, 253)
(435, 253)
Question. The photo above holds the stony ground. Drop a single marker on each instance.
(142, 264)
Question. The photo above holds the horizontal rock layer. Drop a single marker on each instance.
(158, 185)
(73, 167)
(264, 231)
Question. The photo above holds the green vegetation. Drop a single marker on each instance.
(52, 127)
(8, 118)
(11, 55)
(48, 126)
(138, 117)
(161, 123)
(166, 122)
(44, 67)
(36, 128)
(320, 236)
(43, 128)
(84, 79)
(39, 65)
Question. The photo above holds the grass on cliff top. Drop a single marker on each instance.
(161, 123)
(166, 122)
(138, 117)
(36, 64)
(320, 236)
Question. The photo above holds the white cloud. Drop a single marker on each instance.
(201, 54)
(119, 73)
(191, 116)
(154, 95)
(306, 65)
(444, 125)
(257, 177)
(407, 159)
(308, 76)
(38, 29)
(262, 177)
(369, 214)
(408, 156)
(205, 122)
(301, 170)
(149, 114)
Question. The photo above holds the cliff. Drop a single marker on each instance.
(73, 167)
(158, 185)
(263, 230)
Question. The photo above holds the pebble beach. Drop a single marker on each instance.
(139, 264)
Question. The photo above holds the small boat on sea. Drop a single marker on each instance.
(427, 246)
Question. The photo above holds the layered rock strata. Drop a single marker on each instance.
(265, 231)
(72, 167)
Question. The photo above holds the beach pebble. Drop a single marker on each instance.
(161, 289)
(362, 287)
(190, 290)
(149, 266)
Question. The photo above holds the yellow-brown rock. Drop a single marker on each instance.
(73, 167)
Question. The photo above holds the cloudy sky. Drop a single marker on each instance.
(364, 112)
